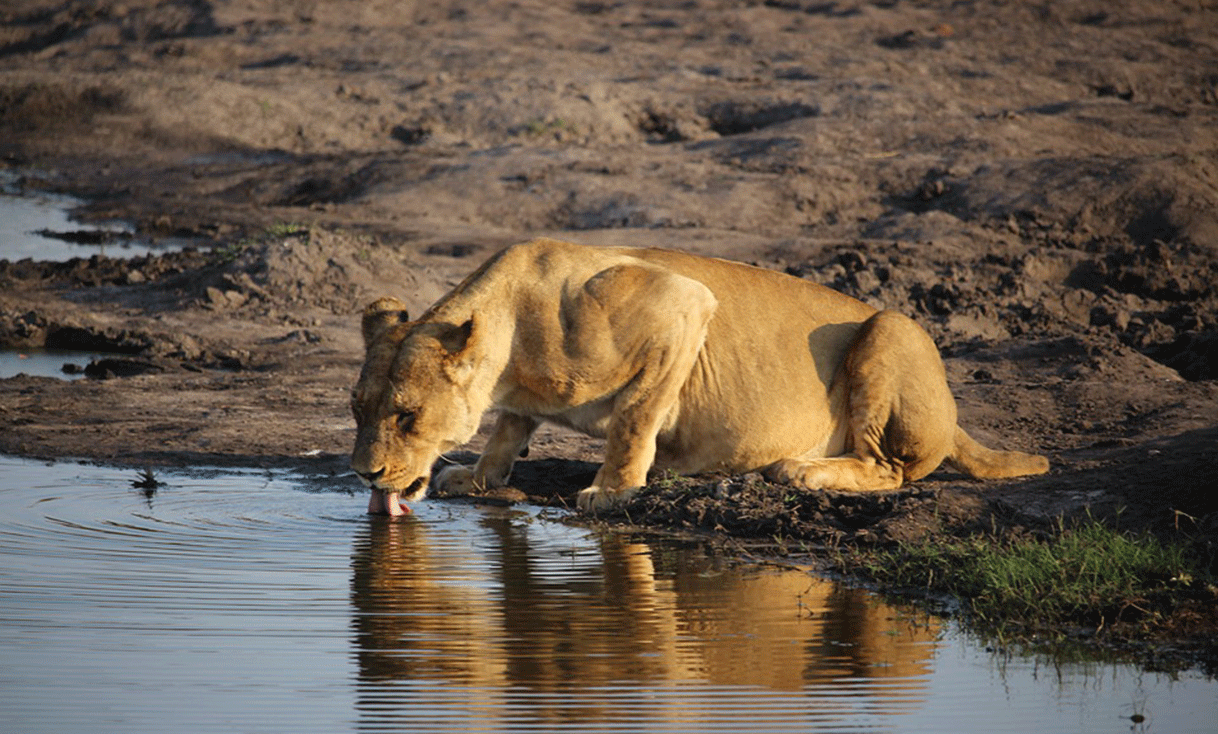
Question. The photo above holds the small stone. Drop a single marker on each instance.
(215, 297)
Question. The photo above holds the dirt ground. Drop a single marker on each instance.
(1035, 183)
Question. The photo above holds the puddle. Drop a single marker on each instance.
(38, 362)
(37, 225)
(248, 601)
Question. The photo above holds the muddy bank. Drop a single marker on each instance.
(1037, 186)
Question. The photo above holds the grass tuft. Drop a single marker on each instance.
(1086, 575)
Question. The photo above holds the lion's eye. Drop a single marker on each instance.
(406, 421)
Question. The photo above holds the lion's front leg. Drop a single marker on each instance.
(507, 441)
(659, 346)
(630, 445)
(618, 479)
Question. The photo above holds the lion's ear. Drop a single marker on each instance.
(379, 315)
(455, 338)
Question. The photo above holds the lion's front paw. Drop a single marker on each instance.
(595, 499)
(454, 480)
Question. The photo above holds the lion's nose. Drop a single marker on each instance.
(371, 477)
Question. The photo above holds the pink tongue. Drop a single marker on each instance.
(393, 507)
(380, 503)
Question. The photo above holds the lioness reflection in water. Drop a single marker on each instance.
(493, 613)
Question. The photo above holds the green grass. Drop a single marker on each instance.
(1086, 575)
(280, 230)
(225, 254)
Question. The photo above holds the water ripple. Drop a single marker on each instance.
(237, 601)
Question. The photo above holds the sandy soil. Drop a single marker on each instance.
(1037, 184)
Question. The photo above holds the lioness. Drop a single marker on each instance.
(678, 361)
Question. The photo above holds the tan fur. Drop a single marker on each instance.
(678, 361)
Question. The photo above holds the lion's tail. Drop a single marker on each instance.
(980, 462)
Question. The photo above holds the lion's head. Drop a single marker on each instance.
(412, 400)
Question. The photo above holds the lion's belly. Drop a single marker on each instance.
(749, 447)
(752, 423)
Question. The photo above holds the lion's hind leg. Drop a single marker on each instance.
(844, 473)
(901, 417)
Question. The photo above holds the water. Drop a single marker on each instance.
(39, 362)
(255, 602)
(34, 225)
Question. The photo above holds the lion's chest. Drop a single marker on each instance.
(590, 418)
(546, 400)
